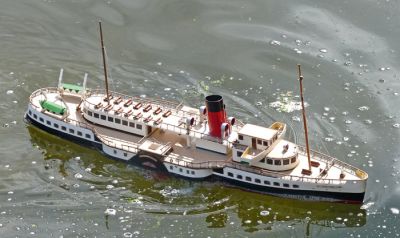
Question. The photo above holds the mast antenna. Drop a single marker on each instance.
(304, 118)
(104, 64)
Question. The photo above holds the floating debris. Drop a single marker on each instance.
(78, 176)
(285, 103)
(363, 108)
(109, 187)
(264, 213)
(394, 210)
(296, 118)
(9, 92)
(110, 212)
(275, 42)
(128, 234)
(297, 51)
(323, 50)
(367, 205)
(368, 121)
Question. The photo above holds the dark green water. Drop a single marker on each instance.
(246, 51)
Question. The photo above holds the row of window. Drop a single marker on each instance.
(63, 128)
(260, 141)
(271, 161)
(181, 170)
(279, 162)
(266, 182)
(115, 120)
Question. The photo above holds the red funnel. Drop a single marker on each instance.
(216, 114)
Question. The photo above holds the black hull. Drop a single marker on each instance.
(353, 198)
(139, 159)
(67, 136)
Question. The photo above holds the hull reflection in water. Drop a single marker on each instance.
(222, 204)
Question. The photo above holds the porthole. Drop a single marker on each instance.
(230, 174)
(277, 184)
(79, 133)
(267, 182)
(248, 178)
(96, 115)
(293, 160)
(239, 176)
(89, 113)
(278, 162)
(257, 180)
(88, 136)
(285, 185)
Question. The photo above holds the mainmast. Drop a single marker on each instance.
(304, 119)
(104, 63)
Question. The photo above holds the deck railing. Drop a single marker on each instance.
(158, 102)
(179, 160)
(331, 161)
(103, 138)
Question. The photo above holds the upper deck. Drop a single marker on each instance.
(162, 114)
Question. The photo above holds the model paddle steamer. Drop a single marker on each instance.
(193, 142)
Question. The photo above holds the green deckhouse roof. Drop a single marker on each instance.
(52, 107)
(72, 87)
